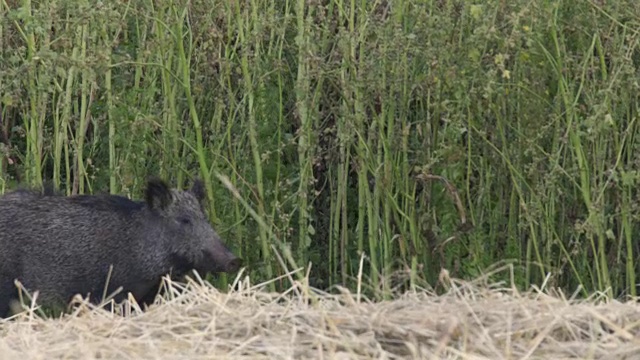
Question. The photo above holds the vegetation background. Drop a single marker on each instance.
(409, 135)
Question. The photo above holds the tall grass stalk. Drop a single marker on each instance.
(246, 20)
(302, 96)
(36, 99)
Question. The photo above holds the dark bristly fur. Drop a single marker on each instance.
(62, 246)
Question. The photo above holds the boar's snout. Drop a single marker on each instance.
(233, 265)
(224, 260)
(219, 258)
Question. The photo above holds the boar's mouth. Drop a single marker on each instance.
(206, 264)
(219, 263)
(230, 266)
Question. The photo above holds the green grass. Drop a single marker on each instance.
(410, 135)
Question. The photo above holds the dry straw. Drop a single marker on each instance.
(471, 320)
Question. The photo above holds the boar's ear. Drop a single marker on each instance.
(158, 194)
(198, 190)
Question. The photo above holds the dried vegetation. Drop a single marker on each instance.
(471, 320)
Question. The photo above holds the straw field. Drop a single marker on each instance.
(471, 320)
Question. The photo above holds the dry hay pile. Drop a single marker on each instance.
(471, 321)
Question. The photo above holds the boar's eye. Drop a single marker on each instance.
(184, 220)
